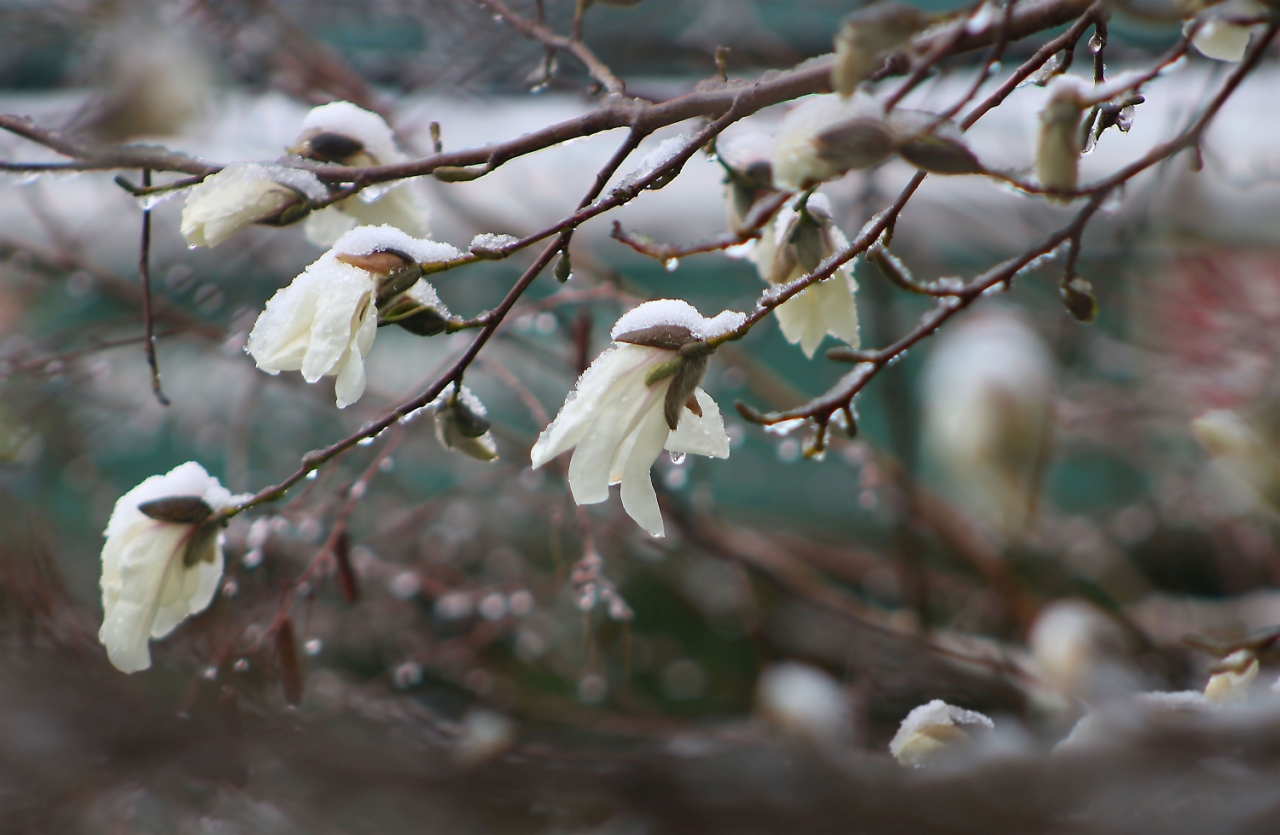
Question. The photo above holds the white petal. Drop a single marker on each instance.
(835, 298)
(1222, 41)
(325, 226)
(701, 435)
(620, 413)
(638, 497)
(148, 552)
(340, 312)
(400, 207)
(196, 587)
(579, 409)
(351, 380)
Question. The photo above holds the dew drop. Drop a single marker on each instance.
(677, 458)
(241, 665)
(671, 264)
(313, 646)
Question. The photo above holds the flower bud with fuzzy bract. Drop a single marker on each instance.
(462, 424)
(323, 324)
(793, 247)
(247, 193)
(1058, 143)
(344, 134)
(637, 398)
(826, 136)
(162, 560)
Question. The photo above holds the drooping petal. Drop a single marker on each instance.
(835, 298)
(618, 415)
(638, 496)
(147, 556)
(580, 406)
(701, 435)
(341, 310)
(1222, 40)
(349, 386)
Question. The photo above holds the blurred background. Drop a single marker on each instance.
(1025, 524)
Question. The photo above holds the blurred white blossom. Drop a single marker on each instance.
(637, 398)
(1234, 675)
(987, 400)
(162, 560)
(826, 136)
(247, 193)
(1058, 143)
(805, 701)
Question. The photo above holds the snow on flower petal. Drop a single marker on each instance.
(323, 324)
(931, 730)
(243, 194)
(619, 417)
(157, 573)
(342, 133)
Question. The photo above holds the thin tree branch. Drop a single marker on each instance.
(144, 275)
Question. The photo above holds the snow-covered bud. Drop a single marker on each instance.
(246, 193)
(162, 560)
(637, 398)
(1232, 676)
(345, 134)
(1078, 297)
(418, 310)
(826, 136)
(461, 424)
(932, 143)
(1242, 455)
(797, 242)
(866, 36)
(323, 324)
(1058, 144)
(806, 702)
(987, 400)
(933, 730)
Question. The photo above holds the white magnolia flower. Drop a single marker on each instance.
(934, 729)
(323, 324)
(826, 136)
(1234, 675)
(162, 560)
(987, 398)
(639, 397)
(344, 134)
(805, 701)
(1058, 143)
(245, 193)
(792, 247)
(1220, 37)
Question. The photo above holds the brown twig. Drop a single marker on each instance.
(538, 31)
(144, 275)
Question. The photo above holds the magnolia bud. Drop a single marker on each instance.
(866, 36)
(932, 143)
(1058, 145)
(563, 270)
(827, 136)
(1081, 303)
(418, 310)
(461, 424)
